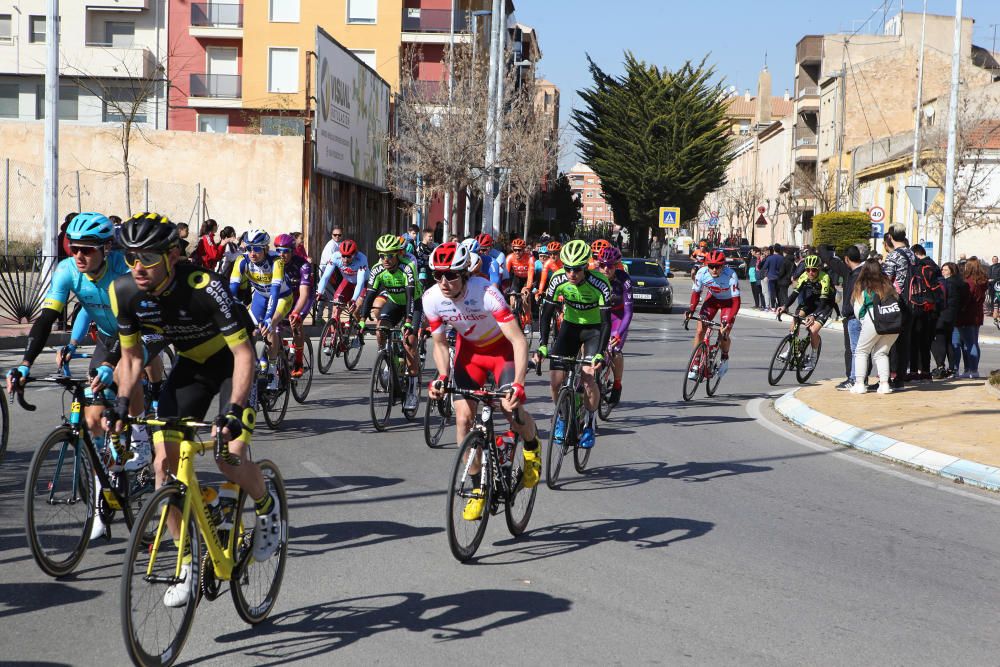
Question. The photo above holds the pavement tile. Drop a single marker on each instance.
(970, 470)
(903, 451)
(933, 460)
(876, 443)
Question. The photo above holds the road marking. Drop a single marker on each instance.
(327, 478)
(753, 409)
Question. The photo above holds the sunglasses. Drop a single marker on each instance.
(575, 269)
(388, 255)
(812, 270)
(86, 250)
(147, 259)
(347, 258)
(715, 266)
(256, 248)
(335, 234)
(447, 276)
(283, 250)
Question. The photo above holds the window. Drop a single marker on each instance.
(217, 124)
(362, 11)
(282, 126)
(284, 11)
(8, 100)
(36, 29)
(69, 102)
(589, 194)
(5, 28)
(119, 34)
(367, 56)
(283, 70)
(120, 103)
(590, 209)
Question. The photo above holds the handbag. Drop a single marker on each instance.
(887, 314)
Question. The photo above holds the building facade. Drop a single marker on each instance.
(586, 186)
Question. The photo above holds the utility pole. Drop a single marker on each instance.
(498, 124)
(491, 117)
(916, 121)
(843, 120)
(451, 76)
(948, 223)
(51, 189)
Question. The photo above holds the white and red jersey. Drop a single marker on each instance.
(475, 315)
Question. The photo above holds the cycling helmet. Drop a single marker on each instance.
(90, 229)
(485, 241)
(812, 262)
(597, 246)
(472, 244)
(148, 231)
(517, 244)
(575, 253)
(348, 248)
(702, 244)
(715, 257)
(543, 250)
(258, 237)
(284, 241)
(610, 256)
(475, 262)
(554, 247)
(450, 257)
(388, 243)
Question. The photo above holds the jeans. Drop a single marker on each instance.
(965, 340)
(945, 355)
(758, 295)
(772, 291)
(852, 331)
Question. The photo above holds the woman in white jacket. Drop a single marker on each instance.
(871, 287)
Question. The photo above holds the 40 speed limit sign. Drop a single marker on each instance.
(876, 214)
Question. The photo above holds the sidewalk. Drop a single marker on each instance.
(947, 428)
(15, 336)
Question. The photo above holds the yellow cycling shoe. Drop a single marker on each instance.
(532, 467)
(474, 508)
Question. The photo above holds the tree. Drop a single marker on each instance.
(565, 205)
(528, 150)
(655, 137)
(741, 202)
(820, 186)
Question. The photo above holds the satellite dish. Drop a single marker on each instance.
(929, 112)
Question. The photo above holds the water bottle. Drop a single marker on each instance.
(211, 498)
(228, 495)
(506, 444)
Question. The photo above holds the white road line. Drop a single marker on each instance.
(753, 409)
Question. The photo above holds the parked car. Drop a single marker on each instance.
(737, 261)
(650, 286)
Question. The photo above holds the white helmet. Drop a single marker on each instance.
(450, 257)
(475, 262)
(258, 237)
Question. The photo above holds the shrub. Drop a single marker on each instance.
(841, 229)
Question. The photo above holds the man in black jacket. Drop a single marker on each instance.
(785, 276)
(924, 315)
(852, 326)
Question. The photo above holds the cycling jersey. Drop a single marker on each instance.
(551, 266)
(475, 314)
(354, 273)
(423, 257)
(91, 293)
(816, 295)
(723, 287)
(521, 268)
(583, 303)
(500, 259)
(398, 285)
(621, 303)
(196, 313)
(698, 257)
(267, 280)
(299, 273)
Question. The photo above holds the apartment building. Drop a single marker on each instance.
(112, 54)
(547, 103)
(586, 186)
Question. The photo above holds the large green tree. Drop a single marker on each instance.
(655, 137)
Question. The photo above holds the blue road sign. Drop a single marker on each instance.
(878, 230)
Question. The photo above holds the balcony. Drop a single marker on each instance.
(220, 91)
(100, 59)
(112, 5)
(809, 50)
(216, 20)
(804, 148)
(807, 101)
(434, 25)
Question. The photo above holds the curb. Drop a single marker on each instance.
(928, 460)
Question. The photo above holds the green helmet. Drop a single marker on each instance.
(575, 253)
(388, 243)
(812, 262)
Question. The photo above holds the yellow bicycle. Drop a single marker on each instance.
(155, 625)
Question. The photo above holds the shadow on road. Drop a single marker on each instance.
(27, 598)
(323, 538)
(316, 630)
(631, 474)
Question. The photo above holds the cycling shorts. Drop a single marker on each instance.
(107, 349)
(344, 292)
(516, 284)
(571, 337)
(258, 307)
(615, 321)
(807, 308)
(473, 364)
(713, 306)
(392, 314)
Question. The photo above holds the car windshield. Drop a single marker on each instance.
(732, 253)
(643, 268)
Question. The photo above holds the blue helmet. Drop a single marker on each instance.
(472, 244)
(257, 237)
(90, 228)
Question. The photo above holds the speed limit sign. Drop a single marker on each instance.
(876, 214)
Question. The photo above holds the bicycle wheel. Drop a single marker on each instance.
(779, 362)
(605, 382)
(275, 401)
(556, 451)
(437, 416)
(713, 379)
(155, 633)
(802, 375)
(411, 415)
(695, 367)
(380, 398)
(4, 423)
(302, 384)
(521, 502)
(59, 503)
(355, 343)
(464, 536)
(328, 341)
(255, 585)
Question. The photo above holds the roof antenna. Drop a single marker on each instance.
(765, 59)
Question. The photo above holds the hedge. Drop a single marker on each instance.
(841, 229)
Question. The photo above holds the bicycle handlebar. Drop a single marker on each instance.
(696, 318)
(795, 318)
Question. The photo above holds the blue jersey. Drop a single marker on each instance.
(356, 273)
(726, 286)
(501, 262)
(92, 294)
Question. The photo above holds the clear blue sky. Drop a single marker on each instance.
(735, 34)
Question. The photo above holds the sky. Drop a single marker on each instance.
(736, 35)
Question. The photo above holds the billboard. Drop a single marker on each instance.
(352, 116)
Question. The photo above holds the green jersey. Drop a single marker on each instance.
(582, 304)
(393, 284)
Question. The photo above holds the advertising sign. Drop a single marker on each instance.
(352, 116)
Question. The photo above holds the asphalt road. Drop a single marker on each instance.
(702, 531)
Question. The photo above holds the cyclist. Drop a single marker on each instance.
(194, 311)
(489, 341)
(485, 266)
(395, 278)
(816, 294)
(272, 295)
(521, 269)
(550, 266)
(352, 265)
(586, 322)
(541, 256)
(698, 256)
(609, 263)
(423, 256)
(723, 296)
(299, 276)
(595, 251)
(489, 252)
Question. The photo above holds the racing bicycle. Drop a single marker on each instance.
(438, 414)
(569, 408)
(342, 335)
(704, 362)
(389, 380)
(794, 351)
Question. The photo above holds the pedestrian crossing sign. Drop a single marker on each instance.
(670, 217)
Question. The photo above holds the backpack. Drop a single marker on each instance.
(887, 314)
(924, 292)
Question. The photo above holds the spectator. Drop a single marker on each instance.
(898, 267)
(869, 289)
(62, 242)
(331, 247)
(229, 251)
(654, 249)
(753, 275)
(970, 318)
(852, 325)
(208, 252)
(182, 233)
(772, 269)
(926, 296)
(785, 275)
(945, 355)
(300, 247)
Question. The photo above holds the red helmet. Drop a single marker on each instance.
(715, 257)
(485, 241)
(348, 248)
(597, 246)
(517, 244)
(450, 257)
(284, 241)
